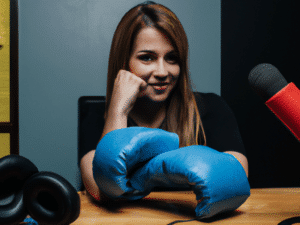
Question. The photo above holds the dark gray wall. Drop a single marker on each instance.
(63, 54)
(255, 32)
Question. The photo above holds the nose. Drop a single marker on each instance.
(161, 69)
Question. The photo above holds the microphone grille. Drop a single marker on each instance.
(266, 80)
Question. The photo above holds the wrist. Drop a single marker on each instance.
(118, 114)
(115, 120)
(117, 111)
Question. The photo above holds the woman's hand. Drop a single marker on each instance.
(127, 88)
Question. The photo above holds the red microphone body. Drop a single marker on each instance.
(286, 106)
(281, 98)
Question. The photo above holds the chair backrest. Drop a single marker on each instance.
(90, 123)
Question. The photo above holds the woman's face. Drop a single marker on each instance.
(154, 60)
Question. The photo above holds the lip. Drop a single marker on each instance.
(160, 84)
(160, 87)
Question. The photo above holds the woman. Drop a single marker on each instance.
(148, 85)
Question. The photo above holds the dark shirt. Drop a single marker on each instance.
(219, 123)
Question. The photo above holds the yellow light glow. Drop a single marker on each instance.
(4, 61)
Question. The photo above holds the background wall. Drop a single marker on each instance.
(255, 32)
(63, 54)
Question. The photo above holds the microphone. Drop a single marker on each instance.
(281, 97)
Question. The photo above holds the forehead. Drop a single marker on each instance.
(150, 38)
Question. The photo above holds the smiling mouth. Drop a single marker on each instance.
(160, 88)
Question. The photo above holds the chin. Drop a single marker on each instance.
(154, 96)
(157, 97)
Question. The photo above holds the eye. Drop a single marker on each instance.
(172, 58)
(145, 58)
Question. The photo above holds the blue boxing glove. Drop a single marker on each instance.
(215, 177)
(122, 151)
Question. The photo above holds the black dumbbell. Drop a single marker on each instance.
(47, 197)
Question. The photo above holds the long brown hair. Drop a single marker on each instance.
(182, 111)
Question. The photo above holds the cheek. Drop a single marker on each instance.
(175, 74)
(131, 67)
(176, 70)
(135, 67)
(140, 70)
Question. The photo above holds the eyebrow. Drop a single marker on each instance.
(152, 52)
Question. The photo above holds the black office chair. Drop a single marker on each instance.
(90, 124)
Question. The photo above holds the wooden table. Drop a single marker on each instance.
(264, 206)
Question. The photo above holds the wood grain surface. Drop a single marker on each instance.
(264, 206)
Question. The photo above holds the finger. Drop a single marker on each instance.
(142, 82)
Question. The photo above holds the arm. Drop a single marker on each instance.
(86, 164)
(126, 89)
(86, 168)
(114, 121)
(241, 158)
